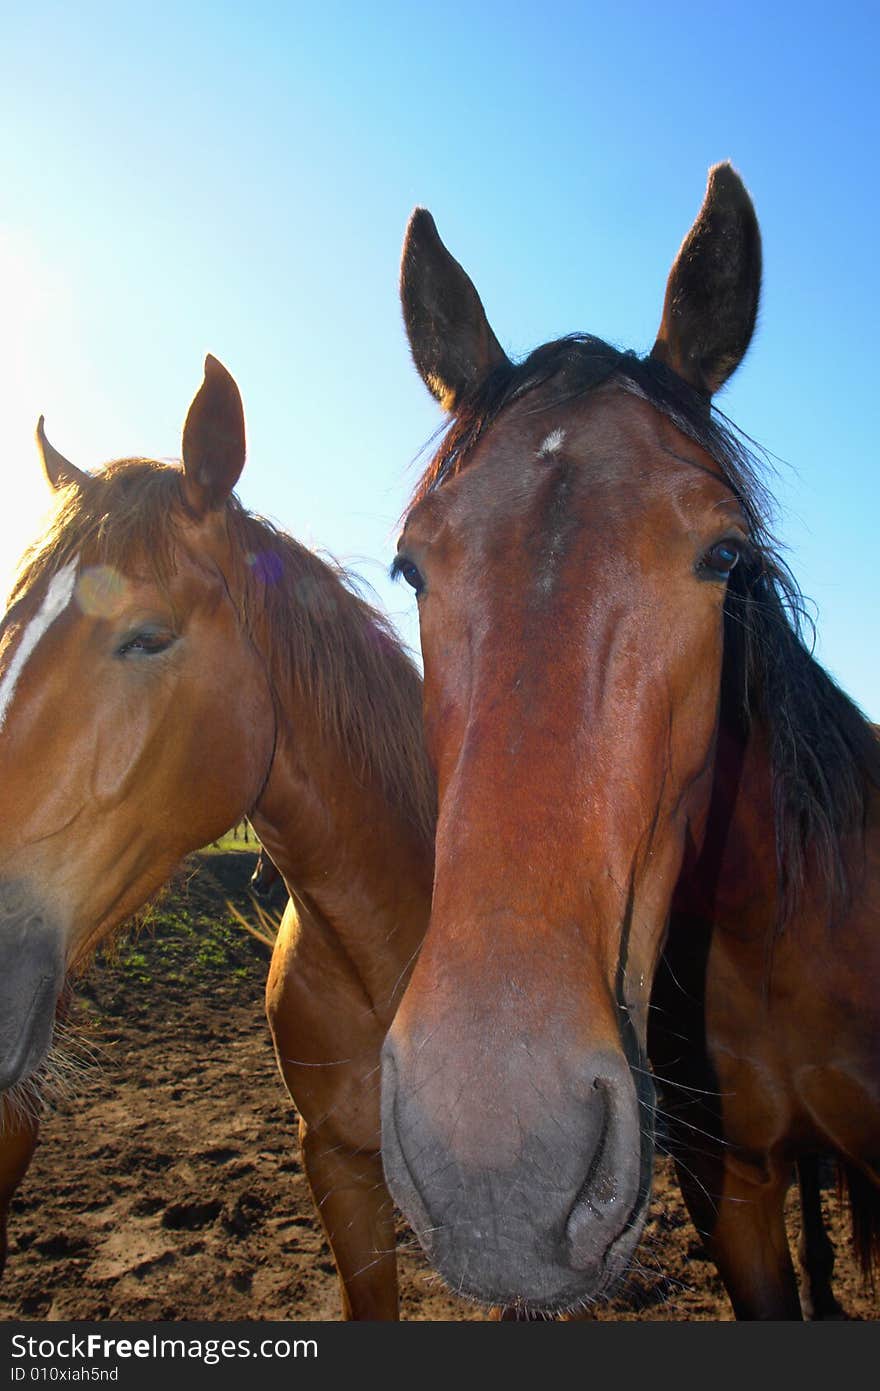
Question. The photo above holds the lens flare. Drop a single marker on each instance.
(266, 565)
(101, 591)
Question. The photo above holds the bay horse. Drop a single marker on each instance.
(170, 663)
(634, 750)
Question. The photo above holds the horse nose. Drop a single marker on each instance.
(516, 1203)
(31, 978)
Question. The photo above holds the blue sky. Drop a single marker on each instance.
(237, 179)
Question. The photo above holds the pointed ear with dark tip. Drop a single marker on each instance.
(213, 440)
(714, 287)
(452, 343)
(60, 472)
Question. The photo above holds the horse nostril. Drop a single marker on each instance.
(601, 1209)
(600, 1186)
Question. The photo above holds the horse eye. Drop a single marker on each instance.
(148, 642)
(720, 559)
(410, 573)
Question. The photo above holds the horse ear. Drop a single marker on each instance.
(452, 344)
(60, 472)
(714, 287)
(213, 440)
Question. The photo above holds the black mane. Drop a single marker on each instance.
(825, 755)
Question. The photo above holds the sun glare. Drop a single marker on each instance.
(27, 295)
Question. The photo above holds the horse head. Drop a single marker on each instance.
(571, 547)
(136, 721)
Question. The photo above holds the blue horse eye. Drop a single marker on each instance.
(721, 558)
(409, 572)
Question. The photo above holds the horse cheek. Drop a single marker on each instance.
(118, 750)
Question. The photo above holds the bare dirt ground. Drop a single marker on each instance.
(171, 1187)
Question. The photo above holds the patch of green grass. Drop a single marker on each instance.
(233, 839)
(135, 965)
(192, 932)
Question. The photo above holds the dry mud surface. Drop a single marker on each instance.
(171, 1186)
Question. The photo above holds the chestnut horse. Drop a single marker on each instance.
(168, 664)
(631, 740)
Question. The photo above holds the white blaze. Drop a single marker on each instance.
(552, 442)
(55, 601)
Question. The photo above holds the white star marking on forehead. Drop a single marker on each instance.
(552, 442)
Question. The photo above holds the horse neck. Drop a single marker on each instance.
(733, 873)
(357, 853)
